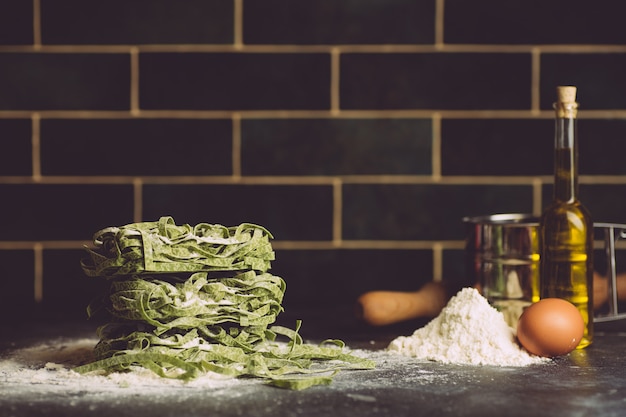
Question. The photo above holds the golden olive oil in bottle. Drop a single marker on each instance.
(566, 228)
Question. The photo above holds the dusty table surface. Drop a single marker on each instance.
(590, 382)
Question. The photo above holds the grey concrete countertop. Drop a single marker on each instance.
(590, 382)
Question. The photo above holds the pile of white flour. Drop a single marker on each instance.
(468, 331)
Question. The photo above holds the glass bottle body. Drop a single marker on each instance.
(567, 260)
(566, 234)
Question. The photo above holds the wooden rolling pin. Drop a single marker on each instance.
(380, 308)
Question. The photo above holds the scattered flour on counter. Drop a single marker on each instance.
(468, 331)
(49, 366)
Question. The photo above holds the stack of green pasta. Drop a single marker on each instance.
(184, 301)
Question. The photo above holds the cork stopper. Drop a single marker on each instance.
(566, 94)
(566, 105)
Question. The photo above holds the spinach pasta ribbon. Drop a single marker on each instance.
(163, 246)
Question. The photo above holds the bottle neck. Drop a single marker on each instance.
(565, 160)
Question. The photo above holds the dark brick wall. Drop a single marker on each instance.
(358, 132)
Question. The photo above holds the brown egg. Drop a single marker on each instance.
(550, 327)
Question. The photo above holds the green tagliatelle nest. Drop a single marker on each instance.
(164, 247)
(184, 301)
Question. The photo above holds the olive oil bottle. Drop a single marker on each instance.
(566, 228)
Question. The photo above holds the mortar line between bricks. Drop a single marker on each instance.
(236, 146)
(439, 22)
(50, 244)
(335, 80)
(276, 244)
(238, 24)
(37, 24)
(537, 197)
(36, 146)
(311, 180)
(325, 48)
(134, 82)
(38, 272)
(436, 147)
(437, 261)
(306, 114)
(137, 200)
(535, 81)
(337, 218)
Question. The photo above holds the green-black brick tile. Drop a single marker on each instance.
(223, 81)
(16, 22)
(423, 211)
(16, 156)
(325, 278)
(598, 76)
(448, 81)
(289, 212)
(137, 22)
(64, 81)
(497, 146)
(339, 22)
(67, 290)
(533, 22)
(17, 272)
(63, 211)
(601, 146)
(162, 147)
(336, 147)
